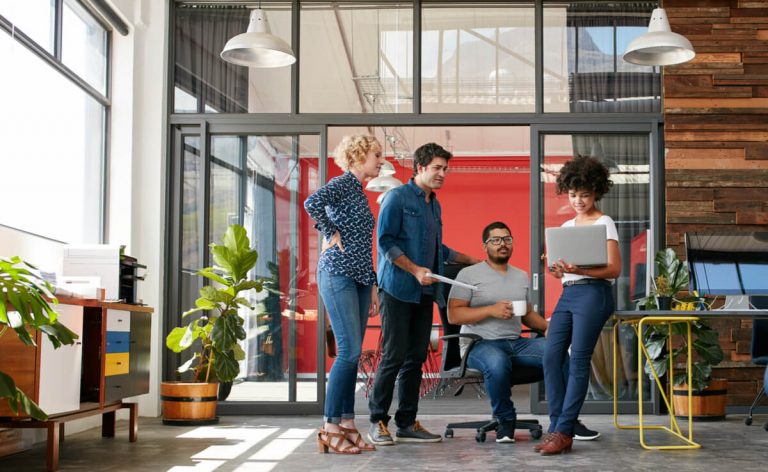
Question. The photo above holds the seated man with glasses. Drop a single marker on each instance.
(488, 312)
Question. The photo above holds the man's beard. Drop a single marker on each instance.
(499, 259)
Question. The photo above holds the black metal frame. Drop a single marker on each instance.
(287, 123)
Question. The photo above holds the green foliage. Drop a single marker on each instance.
(672, 271)
(215, 334)
(26, 293)
(672, 277)
(705, 344)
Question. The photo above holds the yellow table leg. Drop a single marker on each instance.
(666, 394)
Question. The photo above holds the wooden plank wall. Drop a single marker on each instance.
(716, 134)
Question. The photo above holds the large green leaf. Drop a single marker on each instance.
(180, 338)
(236, 239)
(210, 273)
(655, 345)
(224, 258)
(223, 335)
(226, 366)
(17, 400)
(712, 354)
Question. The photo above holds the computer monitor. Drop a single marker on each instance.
(730, 264)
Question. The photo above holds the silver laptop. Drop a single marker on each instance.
(583, 246)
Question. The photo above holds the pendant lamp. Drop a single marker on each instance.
(659, 46)
(257, 47)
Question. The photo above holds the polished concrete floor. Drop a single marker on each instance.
(288, 444)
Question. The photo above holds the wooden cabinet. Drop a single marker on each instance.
(109, 362)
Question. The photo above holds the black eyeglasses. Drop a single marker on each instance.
(497, 240)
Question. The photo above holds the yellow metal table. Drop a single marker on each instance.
(666, 392)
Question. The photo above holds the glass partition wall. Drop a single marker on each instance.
(249, 144)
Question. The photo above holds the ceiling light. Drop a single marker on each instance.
(387, 169)
(659, 46)
(383, 183)
(258, 47)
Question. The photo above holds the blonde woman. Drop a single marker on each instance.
(346, 281)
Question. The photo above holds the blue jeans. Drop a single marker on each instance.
(496, 358)
(578, 319)
(347, 303)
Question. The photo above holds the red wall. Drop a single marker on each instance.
(470, 200)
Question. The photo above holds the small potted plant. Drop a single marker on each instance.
(214, 335)
(672, 278)
(27, 295)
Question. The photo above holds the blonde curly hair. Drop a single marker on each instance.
(352, 150)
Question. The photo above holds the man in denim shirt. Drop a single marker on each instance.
(410, 247)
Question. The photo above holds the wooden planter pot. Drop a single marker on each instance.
(189, 403)
(708, 404)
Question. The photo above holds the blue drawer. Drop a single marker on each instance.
(118, 341)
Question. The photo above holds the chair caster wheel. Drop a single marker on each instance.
(448, 433)
(480, 437)
(747, 421)
(536, 434)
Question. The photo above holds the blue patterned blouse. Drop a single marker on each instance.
(340, 205)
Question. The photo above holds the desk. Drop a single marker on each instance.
(637, 320)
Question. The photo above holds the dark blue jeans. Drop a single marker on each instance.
(496, 359)
(578, 319)
(405, 330)
(347, 303)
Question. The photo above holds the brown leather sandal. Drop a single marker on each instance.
(354, 436)
(336, 442)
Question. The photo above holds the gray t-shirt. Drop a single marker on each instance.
(491, 286)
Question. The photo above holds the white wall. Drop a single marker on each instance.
(136, 191)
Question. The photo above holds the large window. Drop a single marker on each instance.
(53, 120)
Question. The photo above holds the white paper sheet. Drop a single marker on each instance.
(451, 281)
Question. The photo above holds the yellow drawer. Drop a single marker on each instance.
(116, 364)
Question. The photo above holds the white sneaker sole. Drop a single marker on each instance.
(417, 440)
(380, 443)
(505, 439)
(585, 438)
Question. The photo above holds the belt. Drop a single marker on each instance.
(586, 282)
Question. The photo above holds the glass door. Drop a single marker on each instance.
(257, 178)
(628, 152)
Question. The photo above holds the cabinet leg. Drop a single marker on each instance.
(133, 421)
(61, 432)
(108, 425)
(53, 446)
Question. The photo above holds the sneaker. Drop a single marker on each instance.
(379, 435)
(582, 433)
(505, 432)
(416, 433)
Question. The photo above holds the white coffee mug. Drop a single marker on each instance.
(519, 307)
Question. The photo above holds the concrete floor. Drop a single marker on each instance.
(287, 444)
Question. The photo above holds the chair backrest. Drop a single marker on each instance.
(759, 346)
(452, 350)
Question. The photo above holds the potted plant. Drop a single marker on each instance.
(709, 395)
(27, 295)
(214, 336)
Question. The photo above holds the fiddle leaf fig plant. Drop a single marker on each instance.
(24, 308)
(215, 335)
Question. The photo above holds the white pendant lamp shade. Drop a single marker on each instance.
(387, 169)
(382, 183)
(258, 47)
(380, 198)
(659, 46)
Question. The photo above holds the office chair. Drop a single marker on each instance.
(466, 376)
(759, 351)
(454, 370)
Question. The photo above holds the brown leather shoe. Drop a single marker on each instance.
(544, 440)
(559, 444)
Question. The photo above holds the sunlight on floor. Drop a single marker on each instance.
(242, 440)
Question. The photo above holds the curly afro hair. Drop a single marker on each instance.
(584, 173)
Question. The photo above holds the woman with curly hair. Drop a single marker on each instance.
(583, 308)
(346, 281)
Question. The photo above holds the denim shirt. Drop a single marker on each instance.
(340, 205)
(402, 230)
